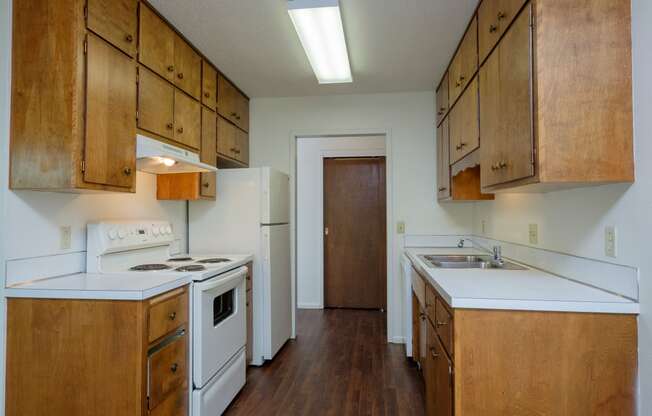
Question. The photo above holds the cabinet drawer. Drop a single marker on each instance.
(444, 325)
(167, 369)
(464, 124)
(430, 303)
(464, 64)
(494, 17)
(175, 404)
(167, 312)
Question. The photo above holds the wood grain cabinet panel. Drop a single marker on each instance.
(465, 62)
(167, 370)
(226, 138)
(242, 146)
(494, 17)
(232, 104)
(444, 325)
(464, 124)
(443, 164)
(187, 65)
(187, 120)
(441, 99)
(176, 404)
(243, 112)
(167, 313)
(115, 21)
(155, 104)
(505, 108)
(157, 42)
(209, 85)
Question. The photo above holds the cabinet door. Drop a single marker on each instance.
(506, 153)
(443, 161)
(226, 99)
(464, 125)
(208, 153)
(226, 138)
(187, 67)
(243, 112)
(155, 104)
(443, 379)
(465, 62)
(156, 49)
(494, 16)
(242, 146)
(187, 120)
(110, 144)
(115, 21)
(441, 101)
(416, 325)
(209, 86)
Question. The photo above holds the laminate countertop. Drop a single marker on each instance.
(112, 286)
(529, 289)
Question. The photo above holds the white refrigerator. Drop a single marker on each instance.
(251, 215)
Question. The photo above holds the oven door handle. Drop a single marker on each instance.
(225, 281)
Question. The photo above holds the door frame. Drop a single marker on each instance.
(393, 288)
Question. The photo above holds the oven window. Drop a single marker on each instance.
(223, 306)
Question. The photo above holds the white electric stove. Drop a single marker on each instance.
(218, 295)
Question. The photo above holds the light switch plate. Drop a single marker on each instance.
(533, 233)
(400, 227)
(65, 237)
(610, 241)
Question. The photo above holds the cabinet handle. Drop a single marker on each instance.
(433, 353)
(460, 146)
(494, 166)
(502, 164)
(172, 316)
(169, 126)
(207, 94)
(180, 75)
(127, 171)
(442, 189)
(180, 130)
(493, 28)
(174, 367)
(206, 184)
(129, 38)
(501, 15)
(171, 68)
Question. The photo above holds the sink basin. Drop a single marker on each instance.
(456, 261)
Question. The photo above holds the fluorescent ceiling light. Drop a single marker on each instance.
(319, 26)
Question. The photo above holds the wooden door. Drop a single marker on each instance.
(226, 138)
(443, 164)
(507, 147)
(226, 99)
(110, 144)
(187, 120)
(115, 21)
(187, 64)
(209, 86)
(242, 146)
(208, 152)
(465, 62)
(243, 112)
(441, 101)
(156, 49)
(155, 104)
(494, 17)
(355, 233)
(464, 126)
(442, 375)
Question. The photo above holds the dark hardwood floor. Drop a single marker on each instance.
(340, 364)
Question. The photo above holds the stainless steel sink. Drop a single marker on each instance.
(456, 261)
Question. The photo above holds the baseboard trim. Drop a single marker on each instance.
(397, 340)
(309, 306)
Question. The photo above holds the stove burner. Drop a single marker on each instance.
(214, 260)
(181, 259)
(149, 267)
(191, 268)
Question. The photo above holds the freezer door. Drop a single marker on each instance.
(277, 290)
(276, 197)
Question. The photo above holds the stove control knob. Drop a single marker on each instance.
(155, 231)
(112, 234)
(122, 233)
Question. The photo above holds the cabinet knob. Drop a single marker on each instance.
(127, 171)
(502, 164)
(174, 367)
(129, 38)
(180, 130)
(237, 151)
(493, 28)
(501, 15)
(169, 126)
(460, 146)
(207, 94)
(180, 75)
(171, 68)
(172, 316)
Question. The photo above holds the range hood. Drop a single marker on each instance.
(154, 156)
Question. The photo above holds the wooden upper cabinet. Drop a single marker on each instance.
(443, 165)
(115, 21)
(209, 85)
(465, 62)
(157, 44)
(187, 120)
(464, 126)
(155, 104)
(187, 65)
(232, 104)
(494, 17)
(441, 101)
(110, 145)
(505, 108)
(226, 138)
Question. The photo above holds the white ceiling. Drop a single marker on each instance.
(394, 45)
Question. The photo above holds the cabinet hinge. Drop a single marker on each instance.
(85, 47)
(137, 114)
(83, 166)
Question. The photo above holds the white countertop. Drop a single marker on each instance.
(529, 289)
(115, 286)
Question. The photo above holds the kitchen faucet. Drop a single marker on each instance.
(497, 259)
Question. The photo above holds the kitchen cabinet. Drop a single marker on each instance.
(157, 40)
(155, 104)
(438, 378)
(232, 104)
(443, 165)
(465, 62)
(115, 21)
(209, 85)
(441, 99)
(102, 351)
(464, 124)
(72, 125)
(232, 143)
(187, 120)
(494, 17)
(187, 66)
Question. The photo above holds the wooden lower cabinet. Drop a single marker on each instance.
(506, 362)
(92, 357)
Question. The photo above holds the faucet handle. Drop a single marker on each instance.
(497, 252)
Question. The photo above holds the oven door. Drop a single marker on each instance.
(219, 324)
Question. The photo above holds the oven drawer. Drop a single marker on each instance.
(166, 367)
(167, 313)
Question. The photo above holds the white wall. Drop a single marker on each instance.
(310, 206)
(573, 221)
(408, 117)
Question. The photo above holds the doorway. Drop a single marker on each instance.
(355, 233)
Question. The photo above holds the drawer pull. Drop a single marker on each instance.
(174, 367)
(172, 316)
(433, 353)
(442, 189)
(439, 323)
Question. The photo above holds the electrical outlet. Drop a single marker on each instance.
(400, 227)
(65, 237)
(610, 241)
(533, 233)
(484, 227)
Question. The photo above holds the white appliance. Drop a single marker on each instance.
(154, 156)
(251, 214)
(217, 312)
